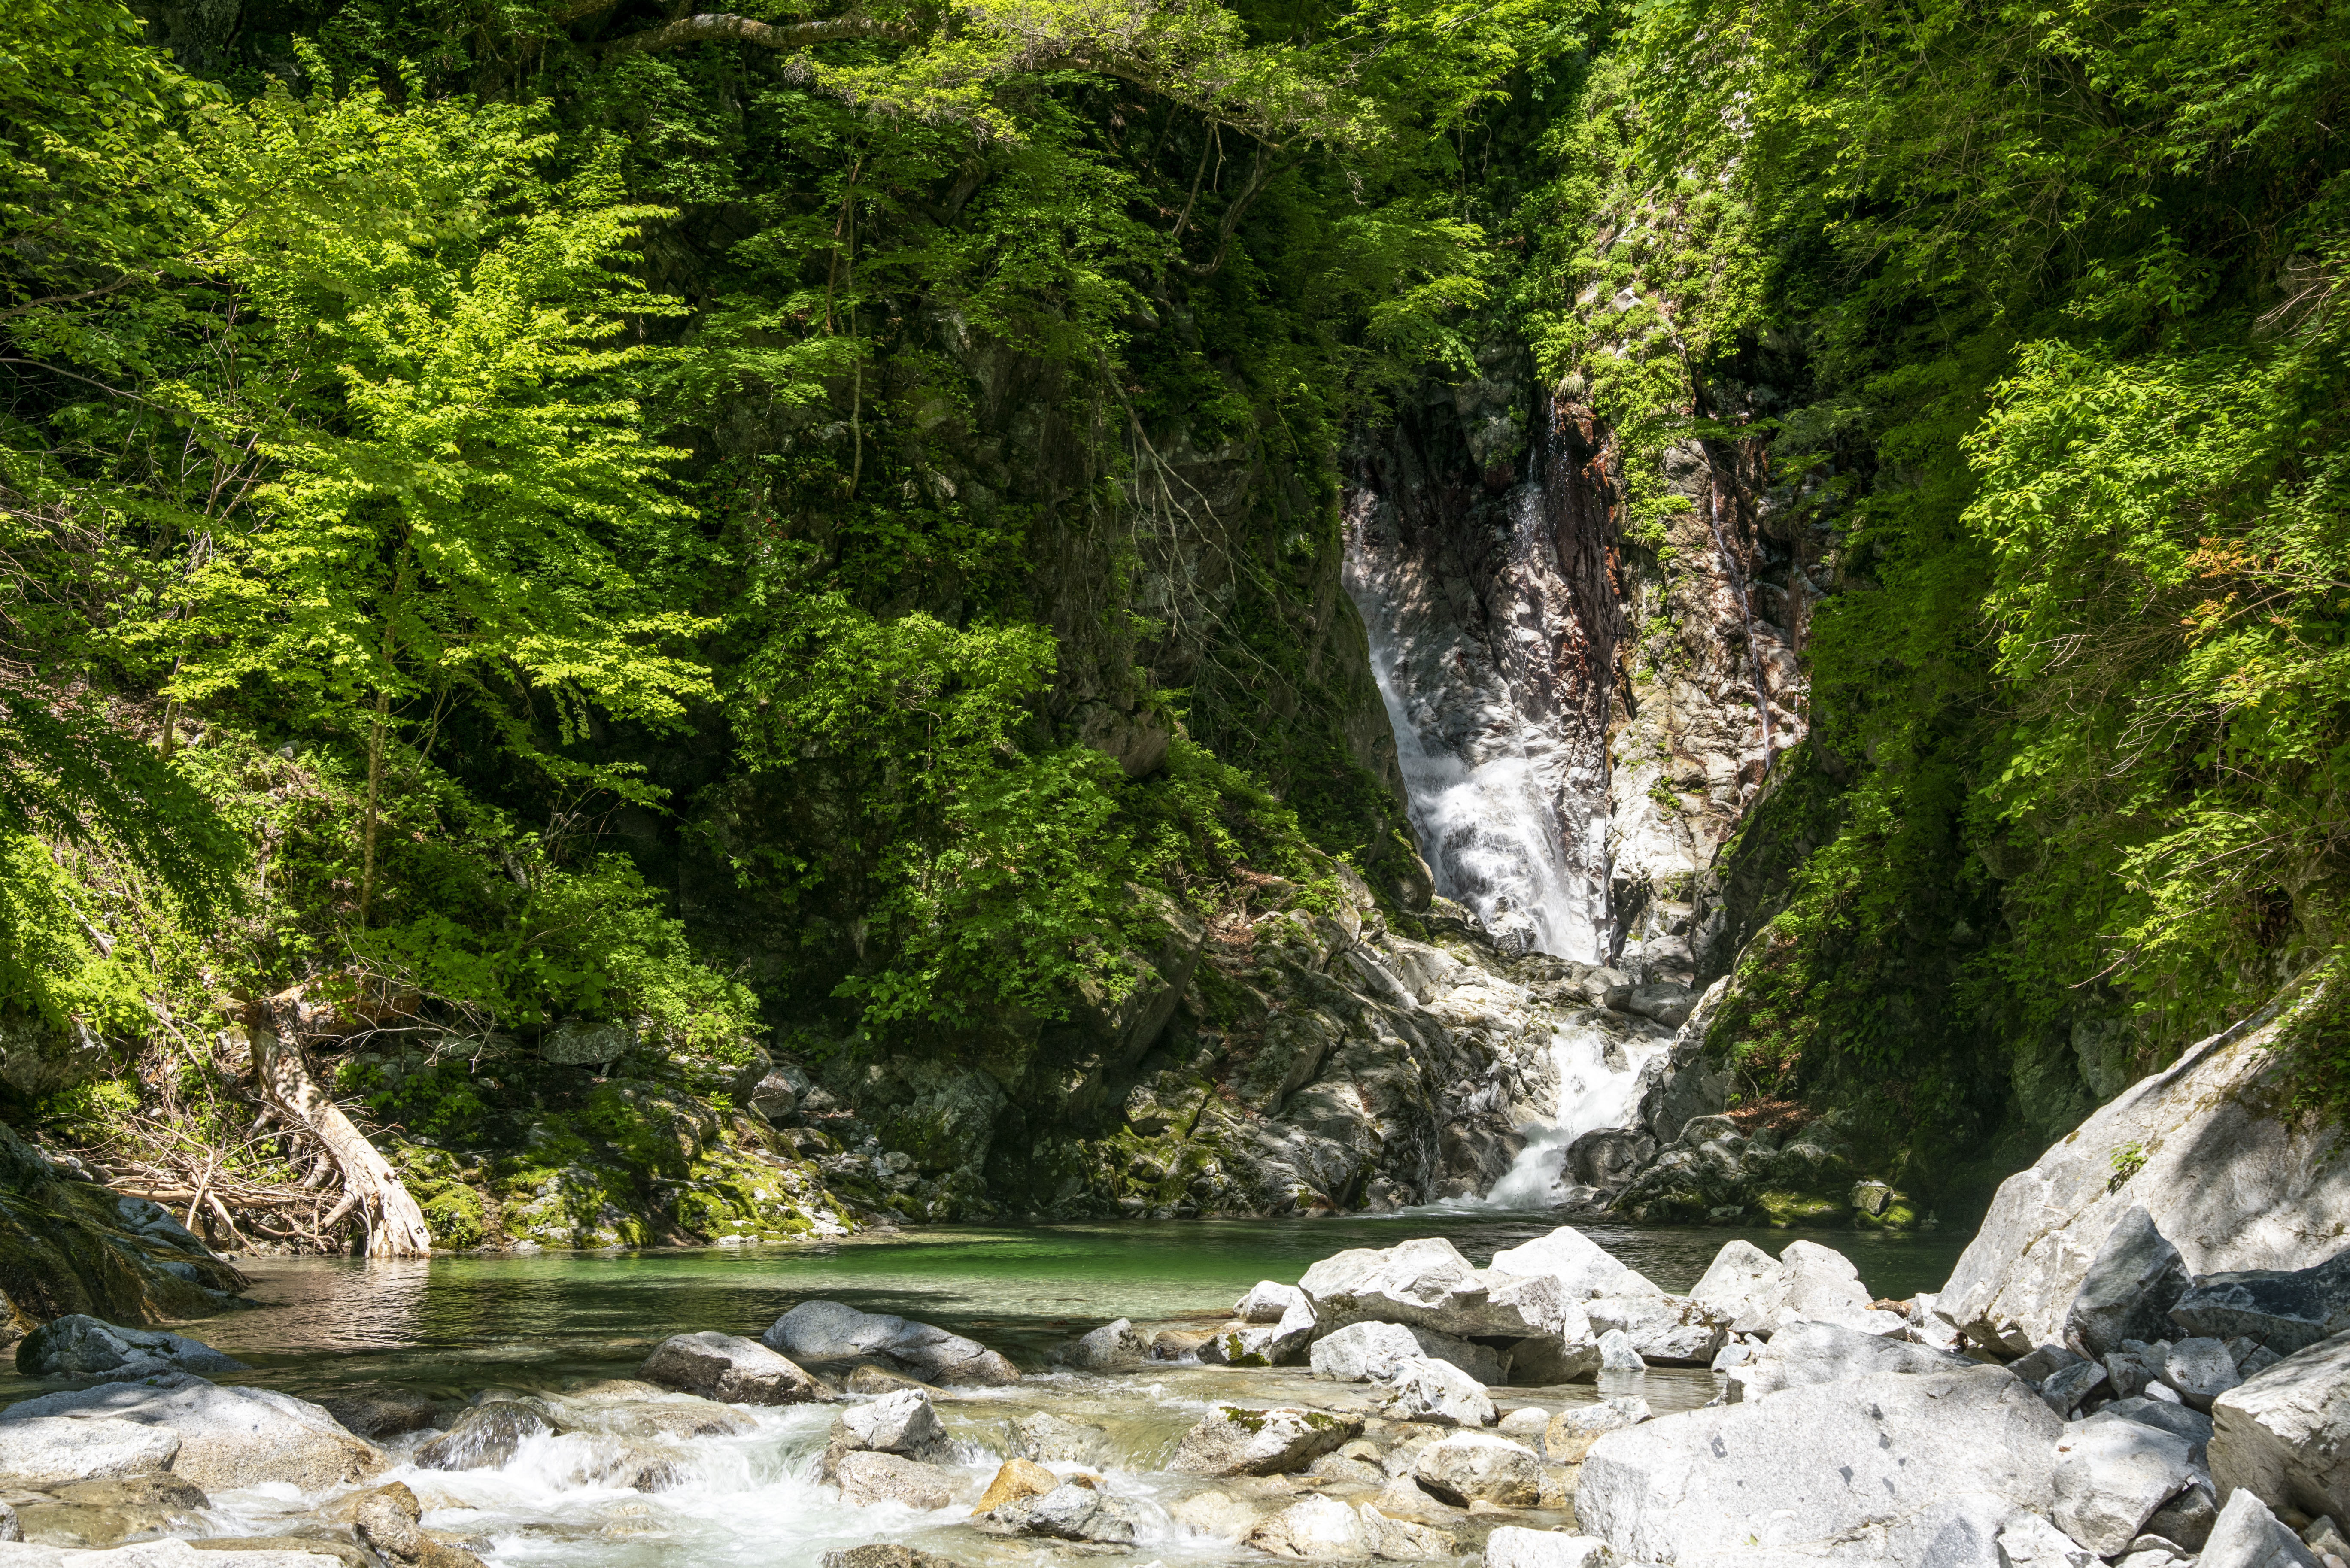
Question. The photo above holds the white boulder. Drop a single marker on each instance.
(1316, 1529)
(1581, 1266)
(2200, 1147)
(229, 1438)
(2112, 1474)
(1810, 1463)
(1472, 1467)
(42, 1453)
(1363, 1351)
(1513, 1546)
(1806, 1354)
(2247, 1536)
(1426, 1389)
(2284, 1433)
(830, 1330)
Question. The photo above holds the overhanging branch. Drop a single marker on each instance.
(716, 27)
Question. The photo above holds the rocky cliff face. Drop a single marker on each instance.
(1583, 718)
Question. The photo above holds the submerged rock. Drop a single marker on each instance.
(727, 1368)
(828, 1331)
(867, 1476)
(1051, 1439)
(483, 1438)
(77, 1345)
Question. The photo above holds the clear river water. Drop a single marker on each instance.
(564, 1326)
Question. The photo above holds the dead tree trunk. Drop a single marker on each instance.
(394, 1224)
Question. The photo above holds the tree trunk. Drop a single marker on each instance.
(394, 1224)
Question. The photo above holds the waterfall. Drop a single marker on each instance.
(1509, 805)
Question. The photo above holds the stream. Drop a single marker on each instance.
(563, 1326)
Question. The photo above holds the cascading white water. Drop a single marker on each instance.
(1506, 784)
(1513, 826)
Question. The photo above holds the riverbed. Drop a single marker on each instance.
(564, 1326)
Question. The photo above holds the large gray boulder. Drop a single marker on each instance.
(2209, 1148)
(1807, 1354)
(727, 1368)
(1232, 1441)
(1745, 1284)
(1426, 1283)
(2284, 1434)
(228, 1436)
(1425, 1390)
(1581, 1266)
(1673, 1329)
(830, 1330)
(1363, 1351)
(41, 1453)
(2111, 1476)
(2248, 1536)
(1810, 1464)
(2283, 1309)
(76, 1345)
(1479, 1467)
(2132, 1283)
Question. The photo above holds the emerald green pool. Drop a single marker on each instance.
(327, 1324)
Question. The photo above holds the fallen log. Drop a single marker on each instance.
(394, 1223)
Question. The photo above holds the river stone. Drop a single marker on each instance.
(2065, 1390)
(868, 1475)
(1270, 1301)
(1246, 1343)
(577, 1043)
(1426, 1389)
(2247, 1536)
(45, 1452)
(1616, 1354)
(2133, 1283)
(1239, 1442)
(1580, 1265)
(1809, 1463)
(483, 1438)
(91, 1527)
(1051, 1439)
(2110, 1475)
(2282, 1309)
(2230, 1185)
(1745, 1284)
(1823, 1286)
(2284, 1434)
(727, 1368)
(1478, 1465)
(382, 1412)
(80, 1347)
(1553, 1358)
(830, 1330)
(1363, 1351)
(1570, 1433)
(1512, 1546)
(228, 1436)
(1108, 1348)
(900, 1423)
(170, 1553)
(1401, 1540)
(2201, 1370)
(1670, 1329)
(1806, 1354)
(1015, 1479)
(1071, 1512)
(1314, 1528)
(888, 1554)
(1426, 1283)
(2031, 1542)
